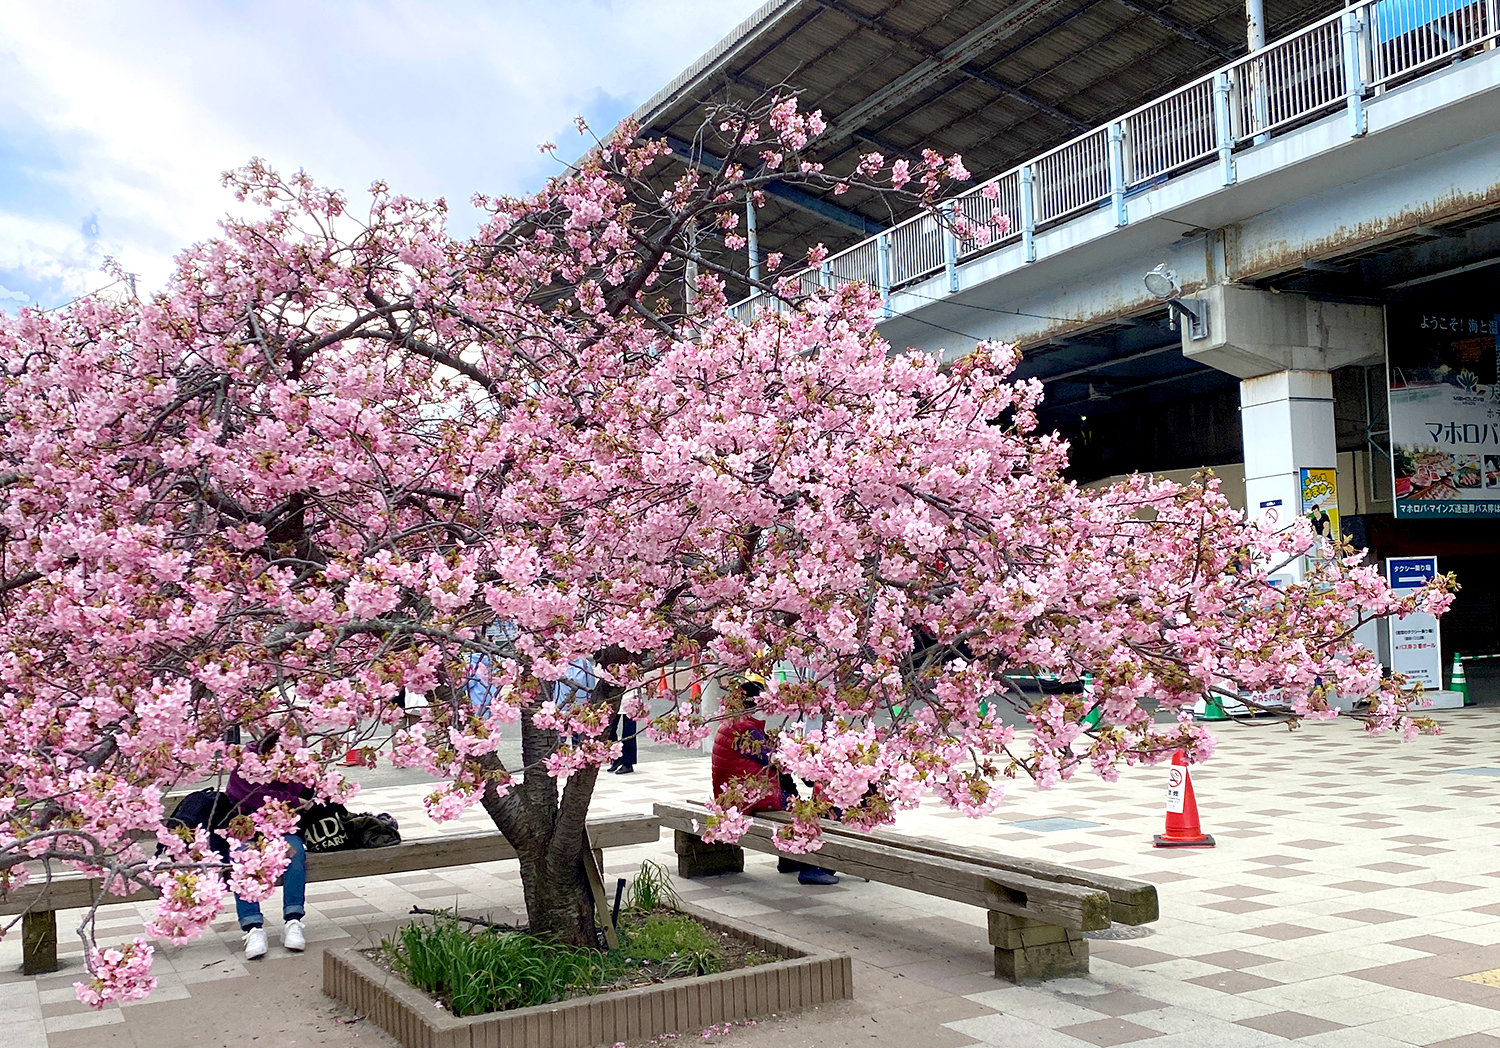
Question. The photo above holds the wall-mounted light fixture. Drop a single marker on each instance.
(1163, 283)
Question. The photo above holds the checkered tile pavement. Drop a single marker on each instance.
(1351, 901)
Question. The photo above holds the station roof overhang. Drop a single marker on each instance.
(996, 81)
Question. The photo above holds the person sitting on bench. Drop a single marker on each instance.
(741, 753)
(246, 798)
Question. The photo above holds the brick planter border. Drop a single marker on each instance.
(801, 979)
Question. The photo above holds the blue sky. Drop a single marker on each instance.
(116, 119)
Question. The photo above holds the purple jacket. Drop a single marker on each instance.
(246, 798)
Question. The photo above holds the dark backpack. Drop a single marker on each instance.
(208, 809)
(373, 831)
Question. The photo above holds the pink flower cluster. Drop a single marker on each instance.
(118, 973)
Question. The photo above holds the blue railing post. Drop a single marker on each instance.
(883, 269)
(1224, 126)
(1028, 211)
(1117, 171)
(950, 249)
(1354, 81)
(825, 275)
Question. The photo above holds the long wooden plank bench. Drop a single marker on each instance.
(1038, 911)
(38, 903)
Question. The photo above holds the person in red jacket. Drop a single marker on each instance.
(742, 752)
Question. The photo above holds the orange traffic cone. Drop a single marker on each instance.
(353, 759)
(1183, 830)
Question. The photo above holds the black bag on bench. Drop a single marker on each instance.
(332, 827)
(208, 809)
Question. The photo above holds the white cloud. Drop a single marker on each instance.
(54, 260)
(130, 112)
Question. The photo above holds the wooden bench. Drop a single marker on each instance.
(1038, 911)
(38, 903)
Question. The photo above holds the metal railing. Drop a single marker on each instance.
(1170, 134)
(1335, 63)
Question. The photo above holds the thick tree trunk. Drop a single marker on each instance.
(559, 904)
(546, 827)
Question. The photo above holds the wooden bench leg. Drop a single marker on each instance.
(697, 858)
(1028, 950)
(38, 942)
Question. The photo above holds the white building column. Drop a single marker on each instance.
(1283, 348)
(1286, 419)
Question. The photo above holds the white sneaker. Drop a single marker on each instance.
(293, 938)
(255, 943)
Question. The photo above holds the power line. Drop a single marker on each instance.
(127, 278)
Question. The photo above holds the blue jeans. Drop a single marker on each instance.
(293, 890)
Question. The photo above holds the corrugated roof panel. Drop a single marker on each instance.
(1090, 60)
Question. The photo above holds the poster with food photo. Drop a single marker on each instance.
(1445, 411)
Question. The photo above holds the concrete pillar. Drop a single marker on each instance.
(1283, 348)
(1287, 421)
(1253, 332)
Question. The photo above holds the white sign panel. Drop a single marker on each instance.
(1176, 788)
(1416, 649)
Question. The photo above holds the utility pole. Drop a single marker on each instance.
(690, 274)
(1255, 40)
(753, 242)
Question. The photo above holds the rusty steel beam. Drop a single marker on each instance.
(968, 69)
(947, 62)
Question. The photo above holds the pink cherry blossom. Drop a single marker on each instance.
(346, 455)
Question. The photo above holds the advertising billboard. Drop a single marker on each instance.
(1320, 501)
(1445, 411)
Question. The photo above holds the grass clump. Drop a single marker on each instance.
(675, 941)
(489, 969)
(472, 970)
(652, 889)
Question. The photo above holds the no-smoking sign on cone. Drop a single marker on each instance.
(1183, 830)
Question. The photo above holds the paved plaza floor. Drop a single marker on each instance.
(1353, 901)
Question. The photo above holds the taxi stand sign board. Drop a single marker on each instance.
(1416, 648)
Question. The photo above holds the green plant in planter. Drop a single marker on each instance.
(652, 889)
(674, 940)
(474, 970)
(491, 969)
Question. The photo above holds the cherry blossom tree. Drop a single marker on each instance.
(342, 455)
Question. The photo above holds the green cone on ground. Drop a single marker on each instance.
(1458, 682)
